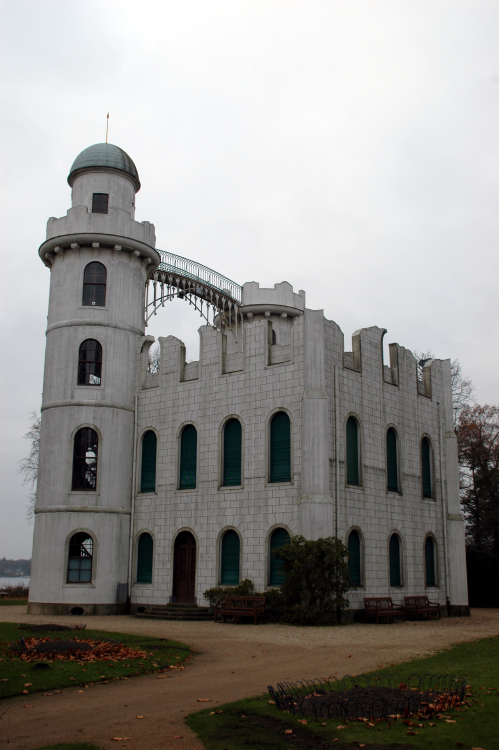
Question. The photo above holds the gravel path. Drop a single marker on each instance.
(232, 662)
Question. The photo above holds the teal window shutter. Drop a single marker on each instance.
(279, 538)
(395, 577)
(232, 454)
(188, 457)
(144, 559)
(426, 467)
(352, 452)
(230, 559)
(429, 553)
(148, 467)
(391, 461)
(354, 558)
(280, 448)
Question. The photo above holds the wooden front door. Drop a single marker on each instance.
(184, 567)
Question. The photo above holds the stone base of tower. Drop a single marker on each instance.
(75, 609)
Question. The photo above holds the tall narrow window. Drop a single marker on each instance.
(426, 467)
(429, 555)
(100, 202)
(229, 574)
(392, 480)
(279, 538)
(89, 363)
(395, 574)
(354, 558)
(232, 453)
(280, 448)
(352, 452)
(148, 466)
(274, 338)
(94, 285)
(145, 549)
(188, 458)
(81, 548)
(85, 460)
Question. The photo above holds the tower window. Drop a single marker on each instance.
(100, 202)
(231, 545)
(426, 467)
(279, 538)
(89, 363)
(429, 553)
(145, 549)
(395, 567)
(353, 473)
(188, 458)
(354, 566)
(232, 454)
(148, 467)
(81, 548)
(274, 338)
(85, 460)
(94, 285)
(280, 448)
(392, 482)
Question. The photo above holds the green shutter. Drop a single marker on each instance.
(391, 461)
(144, 559)
(232, 454)
(280, 448)
(278, 539)
(395, 579)
(148, 469)
(429, 553)
(230, 559)
(352, 452)
(188, 457)
(354, 558)
(426, 467)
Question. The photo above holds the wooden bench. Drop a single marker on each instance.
(382, 606)
(420, 605)
(241, 606)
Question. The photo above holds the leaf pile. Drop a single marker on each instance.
(105, 651)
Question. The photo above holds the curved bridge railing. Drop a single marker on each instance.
(176, 264)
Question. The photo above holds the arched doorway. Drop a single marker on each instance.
(184, 567)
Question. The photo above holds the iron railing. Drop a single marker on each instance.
(176, 264)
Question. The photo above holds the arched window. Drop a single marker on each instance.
(85, 452)
(94, 284)
(232, 453)
(429, 556)
(392, 480)
(353, 474)
(188, 457)
(395, 568)
(280, 448)
(274, 338)
(229, 569)
(89, 363)
(426, 467)
(81, 547)
(148, 465)
(279, 538)
(144, 558)
(354, 567)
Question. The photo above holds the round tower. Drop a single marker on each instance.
(98, 257)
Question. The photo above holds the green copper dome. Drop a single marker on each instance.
(103, 157)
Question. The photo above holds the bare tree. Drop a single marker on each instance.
(28, 466)
(154, 358)
(462, 387)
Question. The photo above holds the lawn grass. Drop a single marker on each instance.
(476, 724)
(13, 602)
(63, 674)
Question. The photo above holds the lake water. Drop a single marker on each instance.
(6, 581)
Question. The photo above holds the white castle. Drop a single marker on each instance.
(156, 485)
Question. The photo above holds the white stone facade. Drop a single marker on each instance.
(305, 373)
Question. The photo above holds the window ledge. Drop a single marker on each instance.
(149, 492)
(143, 585)
(354, 486)
(78, 585)
(186, 492)
(228, 488)
(279, 484)
(395, 492)
(94, 493)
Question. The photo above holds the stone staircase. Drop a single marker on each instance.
(183, 611)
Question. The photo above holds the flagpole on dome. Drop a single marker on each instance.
(107, 126)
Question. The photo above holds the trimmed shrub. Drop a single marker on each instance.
(217, 594)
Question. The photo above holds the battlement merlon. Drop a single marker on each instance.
(280, 300)
(79, 220)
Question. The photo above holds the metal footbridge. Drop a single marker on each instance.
(207, 290)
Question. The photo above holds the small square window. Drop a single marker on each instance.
(100, 202)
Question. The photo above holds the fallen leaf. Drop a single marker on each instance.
(25, 692)
(288, 731)
(205, 700)
(80, 691)
(324, 724)
(212, 713)
(28, 684)
(432, 725)
(5, 679)
(72, 678)
(272, 703)
(412, 733)
(120, 739)
(349, 656)
(342, 727)
(302, 721)
(28, 706)
(139, 717)
(450, 721)
(178, 737)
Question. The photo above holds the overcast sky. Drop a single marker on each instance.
(351, 148)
